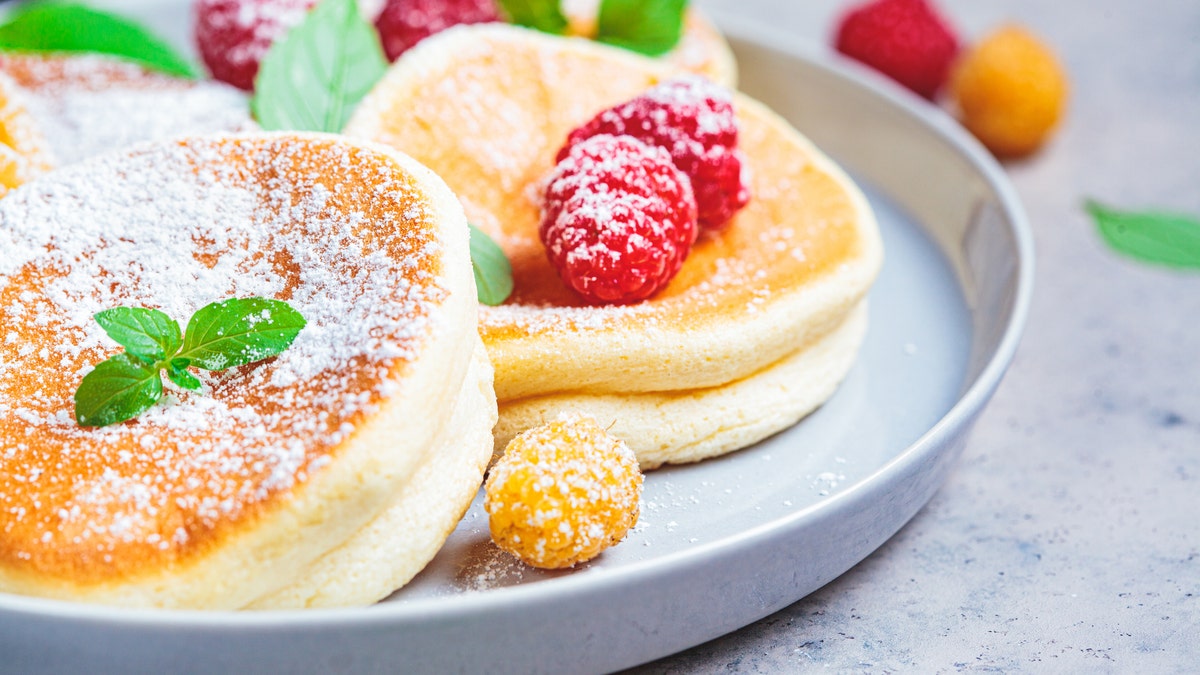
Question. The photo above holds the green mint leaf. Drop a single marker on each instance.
(178, 373)
(544, 15)
(146, 333)
(493, 272)
(1170, 239)
(312, 78)
(118, 389)
(239, 331)
(650, 27)
(221, 335)
(69, 27)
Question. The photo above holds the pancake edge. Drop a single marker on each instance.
(388, 552)
(681, 427)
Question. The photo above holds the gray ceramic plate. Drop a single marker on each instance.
(723, 543)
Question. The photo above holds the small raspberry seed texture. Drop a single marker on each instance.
(618, 219)
(404, 23)
(906, 40)
(694, 120)
(234, 35)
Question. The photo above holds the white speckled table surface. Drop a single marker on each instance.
(1068, 537)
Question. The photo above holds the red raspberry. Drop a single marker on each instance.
(618, 219)
(404, 23)
(234, 35)
(904, 39)
(693, 119)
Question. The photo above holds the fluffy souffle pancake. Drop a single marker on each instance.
(89, 104)
(701, 49)
(488, 108)
(328, 475)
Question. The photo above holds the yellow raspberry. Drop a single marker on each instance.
(562, 493)
(1010, 91)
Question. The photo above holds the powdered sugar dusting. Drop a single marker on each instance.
(332, 229)
(24, 152)
(88, 105)
(688, 90)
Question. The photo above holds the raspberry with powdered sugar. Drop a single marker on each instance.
(404, 23)
(618, 219)
(693, 119)
(234, 35)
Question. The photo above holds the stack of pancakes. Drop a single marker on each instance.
(326, 476)
(758, 328)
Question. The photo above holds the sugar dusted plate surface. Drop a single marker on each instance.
(722, 543)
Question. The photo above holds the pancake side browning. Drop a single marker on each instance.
(223, 496)
(676, 427)
(388, 552)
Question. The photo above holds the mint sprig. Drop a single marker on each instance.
(220, 335)
(312, 78)
(493, 272)
(1170, 239)
(69, 27)
(544, 15)
(651, 27)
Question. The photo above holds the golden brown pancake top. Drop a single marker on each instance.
(339, 231)
(89, 104)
